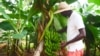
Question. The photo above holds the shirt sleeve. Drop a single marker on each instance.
(79, 22)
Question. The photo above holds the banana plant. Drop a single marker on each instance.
(91, 17)
(46, 9)
(20, 19)
(93, 1)
(14, 24)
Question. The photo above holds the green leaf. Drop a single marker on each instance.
(57, 24)
(94, 1)
(89, 35)
(50, 4)
(20, 4)
(89, 8)
(4, 13)
(98, 11)
(62, 20)
(20, 35)
(6, 16)
(1, 10)
(8, 5)
(70, 1)
(5, 25)
(93, 30)
(33, 11)
(93, 19)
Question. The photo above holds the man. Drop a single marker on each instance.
(75, 30)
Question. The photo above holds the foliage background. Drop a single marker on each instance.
(25, 23)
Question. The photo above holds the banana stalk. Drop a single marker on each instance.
(49, 23)
(39, 49)
(40, 46)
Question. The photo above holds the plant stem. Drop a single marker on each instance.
(47, 26)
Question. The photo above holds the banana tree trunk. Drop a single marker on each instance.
(39, 49)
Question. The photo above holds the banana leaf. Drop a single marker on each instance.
(94, 1)
(20, 35)
(5, 25)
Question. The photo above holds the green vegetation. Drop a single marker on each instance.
(25, 23)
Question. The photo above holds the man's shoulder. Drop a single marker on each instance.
(76, 13)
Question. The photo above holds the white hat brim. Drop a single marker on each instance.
(58, 11)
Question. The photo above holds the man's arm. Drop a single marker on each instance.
(81, 35)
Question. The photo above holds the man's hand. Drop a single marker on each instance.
(80, 36)
(63, 45)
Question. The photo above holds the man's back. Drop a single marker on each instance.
(75, 23)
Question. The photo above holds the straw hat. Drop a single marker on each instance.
(63, 6)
